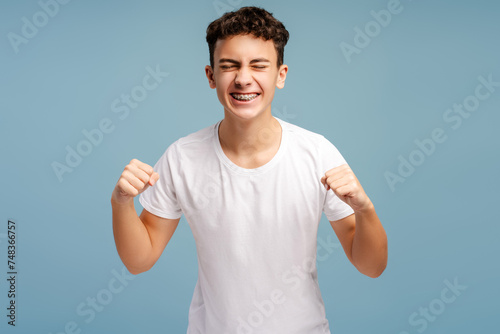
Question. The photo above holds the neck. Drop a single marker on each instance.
(249, 137)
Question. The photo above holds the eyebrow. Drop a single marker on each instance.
(253, 61)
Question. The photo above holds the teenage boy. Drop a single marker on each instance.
(252, 188)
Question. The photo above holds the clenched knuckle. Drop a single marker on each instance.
(122, 183)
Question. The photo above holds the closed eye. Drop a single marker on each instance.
(225, 67)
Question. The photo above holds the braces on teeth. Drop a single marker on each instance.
(245, 97)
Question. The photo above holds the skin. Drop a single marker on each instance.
(253, 68)
(139, 240)
(361, 234)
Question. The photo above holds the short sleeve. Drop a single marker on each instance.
(161, 198)
(333, 207)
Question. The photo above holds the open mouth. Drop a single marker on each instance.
(245, 97)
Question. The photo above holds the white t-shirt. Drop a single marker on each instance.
(255, 230)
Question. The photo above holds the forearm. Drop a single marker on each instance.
(369, 246)
(131, 237)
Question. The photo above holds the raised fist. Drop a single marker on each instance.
(136, 177)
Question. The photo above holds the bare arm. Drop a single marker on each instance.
(364, 241)
(139, 240)
(362, 235)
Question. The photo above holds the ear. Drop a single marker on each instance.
(280, 83)
(210, 76)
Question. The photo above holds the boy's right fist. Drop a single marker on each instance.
(136, 177)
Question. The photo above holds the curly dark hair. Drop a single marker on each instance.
(248, 20)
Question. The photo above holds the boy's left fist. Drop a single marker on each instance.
(346, 186)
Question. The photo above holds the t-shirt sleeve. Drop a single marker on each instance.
(161, 198)
(333, 207)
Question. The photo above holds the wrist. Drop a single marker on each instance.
(365, 209)
(120, 202)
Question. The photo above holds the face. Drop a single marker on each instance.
(245, 75)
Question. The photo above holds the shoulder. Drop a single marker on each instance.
(193, 145)
(305, 137)
(305, 142)
(196, 138)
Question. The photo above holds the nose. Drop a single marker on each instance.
(243, 77)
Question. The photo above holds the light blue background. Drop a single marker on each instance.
(442, 222)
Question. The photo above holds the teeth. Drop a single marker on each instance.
(245, 97)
